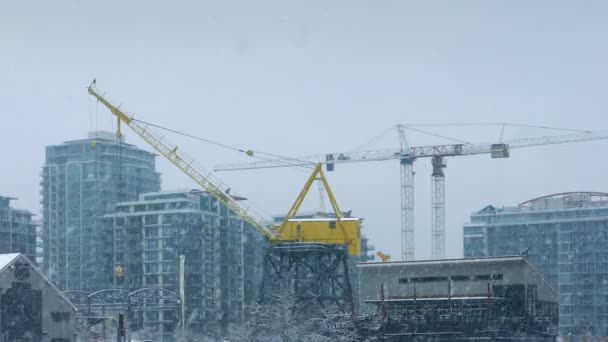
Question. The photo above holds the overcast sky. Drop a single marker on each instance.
(307, 77)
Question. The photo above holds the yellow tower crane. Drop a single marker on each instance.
(338, 230)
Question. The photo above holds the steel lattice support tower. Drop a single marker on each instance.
(316, 275)
(407, 198)
(407, 209)
(438, 208)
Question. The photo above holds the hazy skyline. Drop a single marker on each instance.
(298, 78)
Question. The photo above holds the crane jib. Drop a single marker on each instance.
(173, 156)
(336, 230)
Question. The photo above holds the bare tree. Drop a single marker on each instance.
(283, 319)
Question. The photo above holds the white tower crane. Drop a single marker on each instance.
(407, 156)
(406, 173)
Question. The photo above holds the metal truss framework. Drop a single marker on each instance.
(316, 275)
(97, 305)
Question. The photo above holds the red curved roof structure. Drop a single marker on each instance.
(592, 194)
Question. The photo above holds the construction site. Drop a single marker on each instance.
(216, 261)
(303, 171)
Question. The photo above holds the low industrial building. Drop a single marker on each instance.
(31, 308)
(460, 299)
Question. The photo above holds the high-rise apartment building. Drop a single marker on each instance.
(222, 259)
(82, 181)
(17, 231)
(565, 237)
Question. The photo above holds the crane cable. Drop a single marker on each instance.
(501, 124)
(435, 134)
(250, 153)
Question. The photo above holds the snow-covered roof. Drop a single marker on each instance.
(459, 261)
(6, 259)
(323, 219)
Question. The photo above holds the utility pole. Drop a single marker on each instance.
(120, 332)
(182, 292)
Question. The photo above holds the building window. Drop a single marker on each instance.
(169, 315)
(151, 231)
(151, 256)
(169, 254)
(151, 243)
(152, 280)
(428, 279)
(169, 231)
(151, 268)
(156, 206)
(482, 277)
(151, 219)
(60, 316)
(169, 267)
(152, 316)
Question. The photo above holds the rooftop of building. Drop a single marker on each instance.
(470, 276)
(6, 260)
(490, 259)
(102, 137)
(98, 135)
(5, 202)
(312, 215)
(168, 195)
(554, 202)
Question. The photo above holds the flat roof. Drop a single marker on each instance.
(421, 299)
(442, 261)
(323, 219)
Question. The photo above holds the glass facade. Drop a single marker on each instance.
(17, 231)
(82, 181)
(222, 259)
(564, 237)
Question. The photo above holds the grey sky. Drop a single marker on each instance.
(307, 77)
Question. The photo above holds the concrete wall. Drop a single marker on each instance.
(52, 301)
(502, 272)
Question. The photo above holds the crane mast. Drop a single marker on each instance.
(438, 208)
(205, 179)
(406, 173)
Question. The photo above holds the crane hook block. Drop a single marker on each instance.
(249, 153)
